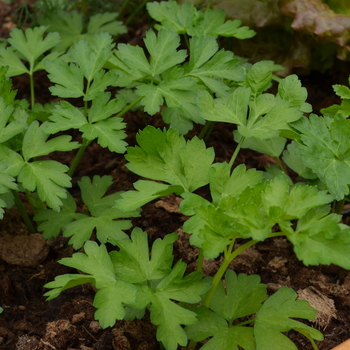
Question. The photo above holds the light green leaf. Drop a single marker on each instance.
(274, 318)
(290, 89)
(275, 120)
(68, 24)
(91, 56)
(222, 182)
(259, 76)
(212, 23)
(32, 44)
(162, 49)
(113, 293)
(342, 91)
(177, 117)
(146, 191)
(35, 142)
(15, 66)
(68, 79)
(320, 239)
(224, 337)
(102, 80)
(52, 222)
(295, 163)
(12, 128)
(6, 181)
(48, 178)
(106, 22)
(103, 217)
(165, 156)
(102, 107)
(108, 310)
(12, 159)
(169, 316)
(93, 191)
(64, 117)
(230, 109)
(293, 202)
(173, 16)
(242, 296)
(108, 133)
(272, 147)
(135, 264)
(134, 58)
(173, 91)
(324, 147)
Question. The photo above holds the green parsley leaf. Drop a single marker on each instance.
(134, 264)
(48, 178)
(103, 217)
(146, 191)
(52, 222)
(173, 16)
(71, 29)
(35, 142)
(32, 44)
(242, 296)
(274, 318)
(113, 293)
(320, 238)
(8, 129)
(165, 156)
(324, 148)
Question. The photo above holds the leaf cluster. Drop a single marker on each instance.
(134, 279)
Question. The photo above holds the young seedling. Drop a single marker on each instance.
(103, 218)
(29, 46)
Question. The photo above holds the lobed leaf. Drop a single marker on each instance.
(165, 156)
(135, 264)
(274, 318)
(324, 148)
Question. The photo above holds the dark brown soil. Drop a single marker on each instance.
(67, 322)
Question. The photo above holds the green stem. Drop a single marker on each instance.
(338, 207)
(219, 274)
(187, 41)
(206, 138)
(135, 12)
(127, 108)
(32, 93)
(77, 157)
(308, 336)
(122, 8)
(280, 164)
(209, 5)
(200, 260)
(23, 212)
(83, 7)
(235, 154)
(192, 344)
(204, 130)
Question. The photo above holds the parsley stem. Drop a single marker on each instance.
(128, 107)
(235, 153)
(200, 260)
(77, 157)
(32, 93)
(225, 264)
(135, 12)
(204, 130)
(122, 8)
(23, 212)
(280, 164)
(338, 206)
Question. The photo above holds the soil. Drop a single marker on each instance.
(28, 262)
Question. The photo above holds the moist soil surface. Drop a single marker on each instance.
(28, 262)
